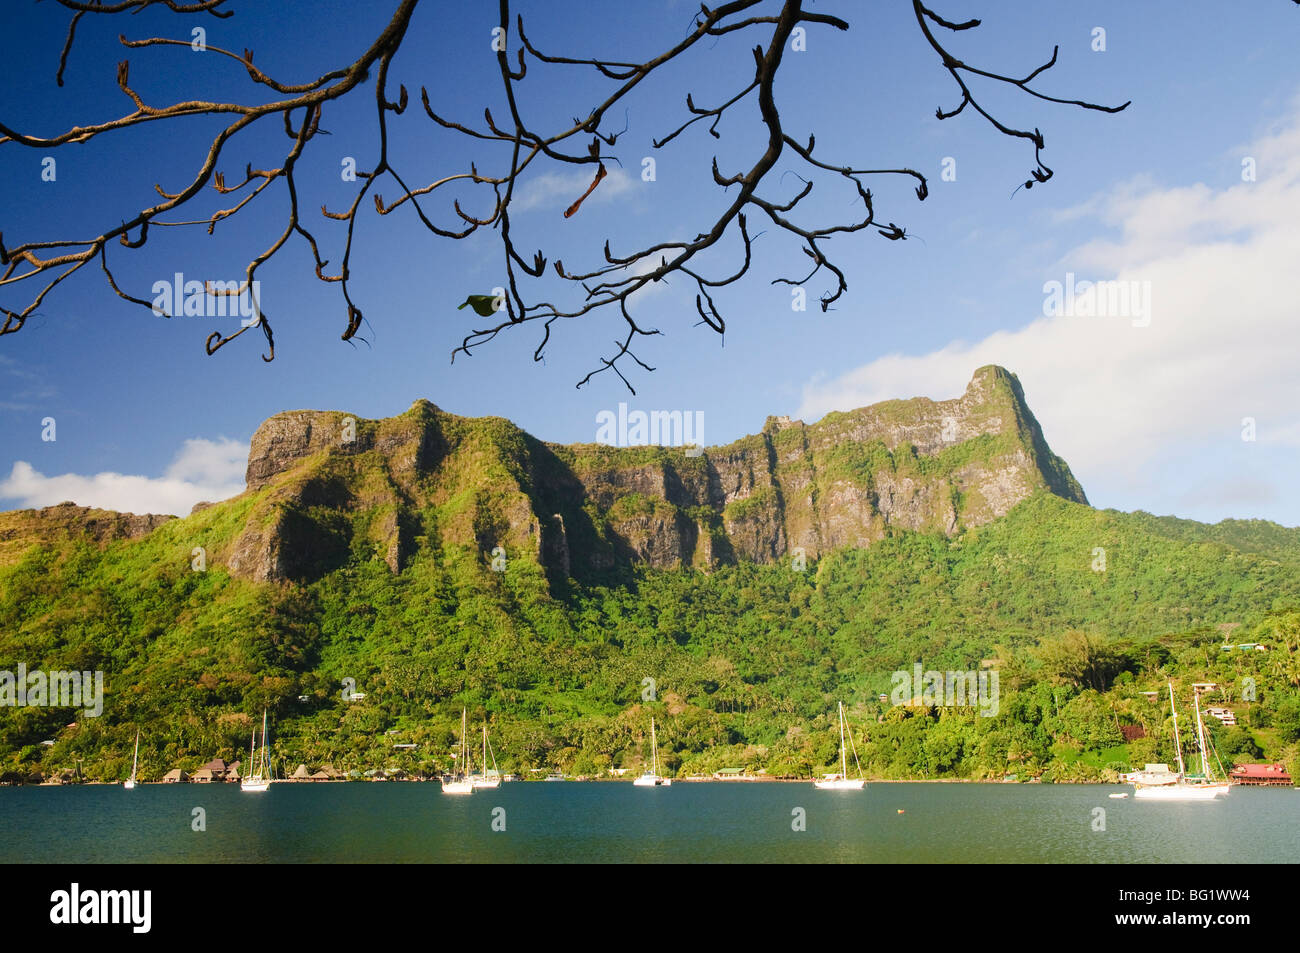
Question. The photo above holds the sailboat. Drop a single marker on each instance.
(462, 784)
(842, 781)
(651, 779)
(259, 776)
(487, 780)
(135, 763)
(1157, 783)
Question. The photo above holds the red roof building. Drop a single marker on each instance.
(1260, 774)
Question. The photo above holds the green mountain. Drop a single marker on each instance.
(325, 488)
(432, 562)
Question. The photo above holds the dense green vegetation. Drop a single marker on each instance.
(747, 662)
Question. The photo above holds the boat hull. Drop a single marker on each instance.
(840, 784)
(1180, 792)
(129, 785)
(254, 786)
(487, 784)
(652, 781)
(457, 787)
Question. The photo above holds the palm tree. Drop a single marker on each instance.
(1285, 659)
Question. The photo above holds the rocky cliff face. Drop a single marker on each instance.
(100, 525)
(923, 465)
(325, 488)
(331, 486)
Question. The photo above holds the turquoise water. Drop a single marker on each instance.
(604, 822)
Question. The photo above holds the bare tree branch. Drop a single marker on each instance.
(587, 141)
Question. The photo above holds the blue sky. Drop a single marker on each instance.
(1150, 414)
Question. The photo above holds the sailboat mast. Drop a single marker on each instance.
(135, 761)
(265, 757)
(1200, 733)
(1177, 744)
(485, 746)
(844, 765)
(654, 750)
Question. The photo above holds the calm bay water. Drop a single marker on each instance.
(613, 822)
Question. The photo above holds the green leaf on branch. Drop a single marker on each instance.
(484, 305)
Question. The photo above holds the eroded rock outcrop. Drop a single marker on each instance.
(64, 519)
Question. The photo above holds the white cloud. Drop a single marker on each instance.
(1116, 399)
(562, 189)
(203, 470)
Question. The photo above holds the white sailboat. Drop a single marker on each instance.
(651, 779)
(462, 783)
(1157, 783)
(488, 779)
(135, 763)
(259, 778)
(842, 781)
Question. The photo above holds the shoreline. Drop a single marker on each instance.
(869, 781)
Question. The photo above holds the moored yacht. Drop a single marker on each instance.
(462, 783)
(651, 778)
(1158, 783)
(259, 778)
(129, 784)
(842, 781)
(489, 778)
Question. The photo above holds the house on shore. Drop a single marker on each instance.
(215, 770)
(1260, 774)
(732, 774)
(175, 776)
